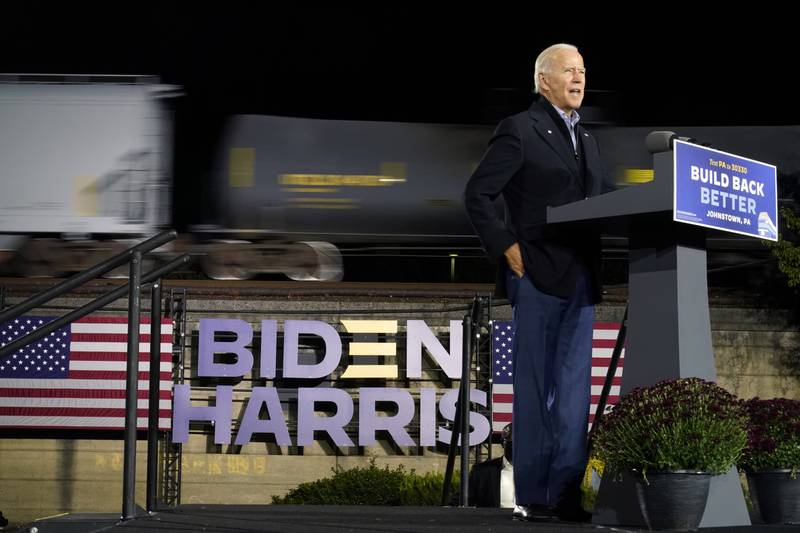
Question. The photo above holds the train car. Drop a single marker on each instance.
(309, 191)
(85, 164)
(295, 194)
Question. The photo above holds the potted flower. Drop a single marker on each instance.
(771, 458)
(672, 438)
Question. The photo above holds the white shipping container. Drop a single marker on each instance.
(84, 158)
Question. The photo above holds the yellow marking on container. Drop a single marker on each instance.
(370, 326)
(241, 167)
(324, 200)
(324, 206)
(370, 371)
(334, 180)
(373, 348)
(393, 172)
(84, 201)
(319, 190)
(637, 175)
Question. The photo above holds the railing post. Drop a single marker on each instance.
(464, 407)
(131, 390)
(154, 395)
(461, 419)
(609, 381)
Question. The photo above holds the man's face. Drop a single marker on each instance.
(564, 82)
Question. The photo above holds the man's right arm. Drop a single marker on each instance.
(501, 161)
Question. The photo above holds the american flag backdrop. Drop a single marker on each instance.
(75, 377)
(604, 336)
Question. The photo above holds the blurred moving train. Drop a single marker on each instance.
(83, 166)
(87, 166)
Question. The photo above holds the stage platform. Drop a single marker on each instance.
(326, 519)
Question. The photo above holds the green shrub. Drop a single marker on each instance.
(684, 424)
(425, 489)
(370, 485)
(787, 249)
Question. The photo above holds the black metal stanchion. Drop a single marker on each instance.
(456, 430)
(153, 396)
(463, 412)
(131, 386)
(461, 419)
(612, 370)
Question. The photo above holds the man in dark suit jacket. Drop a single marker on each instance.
(539, 158)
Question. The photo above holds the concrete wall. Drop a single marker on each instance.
(45, 476)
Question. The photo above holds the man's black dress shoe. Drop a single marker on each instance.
(534, 513)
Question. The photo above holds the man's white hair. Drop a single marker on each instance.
(543, 62)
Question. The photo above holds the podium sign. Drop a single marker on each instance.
(723, 191)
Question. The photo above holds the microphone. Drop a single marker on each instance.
(663, 141)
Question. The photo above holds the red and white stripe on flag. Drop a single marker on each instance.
(90, 393)
(604, 337)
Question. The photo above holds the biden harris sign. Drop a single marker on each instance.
(723, 191)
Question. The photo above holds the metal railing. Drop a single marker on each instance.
(133, 289)
(171, 458)
(471, 326)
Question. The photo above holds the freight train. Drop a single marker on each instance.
(87, 167)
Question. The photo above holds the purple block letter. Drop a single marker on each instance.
(447, 406)
(252, 424)
(330, 360)
(184, 412)
(419, 334)
(308, 421)
(369, 422)
(208, 347)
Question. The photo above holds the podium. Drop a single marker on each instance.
(669, 327)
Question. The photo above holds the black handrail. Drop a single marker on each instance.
(153, 395)
(87, 275)
(81, 312)
(612, 370)
(470, 325)
(131, 389)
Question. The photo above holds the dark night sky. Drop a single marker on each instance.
(412, 65)
(471, 65)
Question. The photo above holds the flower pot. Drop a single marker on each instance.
(777, 495)
(673, 500)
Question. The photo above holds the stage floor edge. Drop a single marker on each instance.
(325, 519)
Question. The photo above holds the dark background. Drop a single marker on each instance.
(654, 66)
(666, 64)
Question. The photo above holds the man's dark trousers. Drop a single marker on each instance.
(552, 373)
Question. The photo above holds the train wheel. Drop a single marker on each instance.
(41, 258)
(229, 260)
(322, 261)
